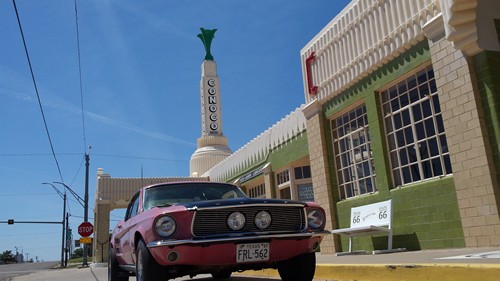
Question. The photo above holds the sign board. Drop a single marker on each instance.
(252, 174)
(85, 229)
(77, 243)
(86, 240)
(373, 214)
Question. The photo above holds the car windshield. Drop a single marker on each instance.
(164, 195)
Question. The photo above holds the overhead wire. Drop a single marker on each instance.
(37, 93)
(80, 74)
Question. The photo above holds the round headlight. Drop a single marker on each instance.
(236, 221)
(315, 219)
(165, 226)
(262, 219)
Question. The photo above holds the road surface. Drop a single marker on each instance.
(7, 271)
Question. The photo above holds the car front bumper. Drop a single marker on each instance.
(223, 251)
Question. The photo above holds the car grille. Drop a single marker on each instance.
(209, 222)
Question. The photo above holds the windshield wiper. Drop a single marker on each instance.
(162, 205)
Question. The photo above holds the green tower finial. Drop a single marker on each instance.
(206, 37)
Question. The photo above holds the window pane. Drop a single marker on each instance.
(429, 127)
(417, 112)
(408, 136)
(426, 108)
(420, 131)
(424, 90)
(437, 168)
(426, 167)
(433, 147)
(406, 175)
(415, 173)
(307, 172)
(403, 156)
(406, 117)
(298, 173)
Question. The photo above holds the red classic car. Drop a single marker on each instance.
(189, 228)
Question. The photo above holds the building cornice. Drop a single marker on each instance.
(434, 28)
(312, 109)
(459, 17)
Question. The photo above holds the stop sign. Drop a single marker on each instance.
(85, 229)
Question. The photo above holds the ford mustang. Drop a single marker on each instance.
(189, 228)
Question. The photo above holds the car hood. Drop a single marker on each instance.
(240, 202)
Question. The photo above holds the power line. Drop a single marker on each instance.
(36, 154)
(80, 74)
(95, 154)
(136, 157)
(36, 90)
(23, 194)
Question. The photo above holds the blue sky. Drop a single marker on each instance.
(140, 69)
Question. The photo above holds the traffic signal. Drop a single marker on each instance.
(10, 221)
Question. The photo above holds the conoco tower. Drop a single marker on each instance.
(212, 145)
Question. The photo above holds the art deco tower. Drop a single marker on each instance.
(212, 145)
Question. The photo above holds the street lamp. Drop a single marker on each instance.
(63, 196)
(84, 203)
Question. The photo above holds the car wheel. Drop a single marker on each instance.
(300, 268)
(147, 269)
(221, 275)
(114, 271)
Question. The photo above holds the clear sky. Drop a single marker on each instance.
(140, 74)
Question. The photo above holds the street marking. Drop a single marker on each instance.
(486, 255)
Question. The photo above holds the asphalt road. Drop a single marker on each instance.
(8, 271)
(43, 272)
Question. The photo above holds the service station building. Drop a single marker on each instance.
(401, 102)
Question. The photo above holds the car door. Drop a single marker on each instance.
(125, 234)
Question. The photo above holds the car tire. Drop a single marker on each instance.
(300, 268)
(147, 269)
(221, 275)
(114, 271)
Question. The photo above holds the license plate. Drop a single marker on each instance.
(252, 252)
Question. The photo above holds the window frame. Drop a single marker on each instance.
(341, 141)
(403, 121)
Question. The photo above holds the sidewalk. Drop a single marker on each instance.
(468, 264)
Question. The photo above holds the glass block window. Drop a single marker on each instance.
(257, 191)
(414, 129)
(353, 153)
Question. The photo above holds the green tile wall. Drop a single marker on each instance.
(487, 67)
(425, 215)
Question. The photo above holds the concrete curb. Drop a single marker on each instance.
(398, 272)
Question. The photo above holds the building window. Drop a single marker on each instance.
(283, 177)
(414, 129)
(303, 172)
(258, 191)
(353, 153)
(285, 193)
(283, 180)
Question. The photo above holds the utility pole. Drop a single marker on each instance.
(86, 202)
(67, 241)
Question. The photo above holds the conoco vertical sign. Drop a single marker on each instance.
(210, 100)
